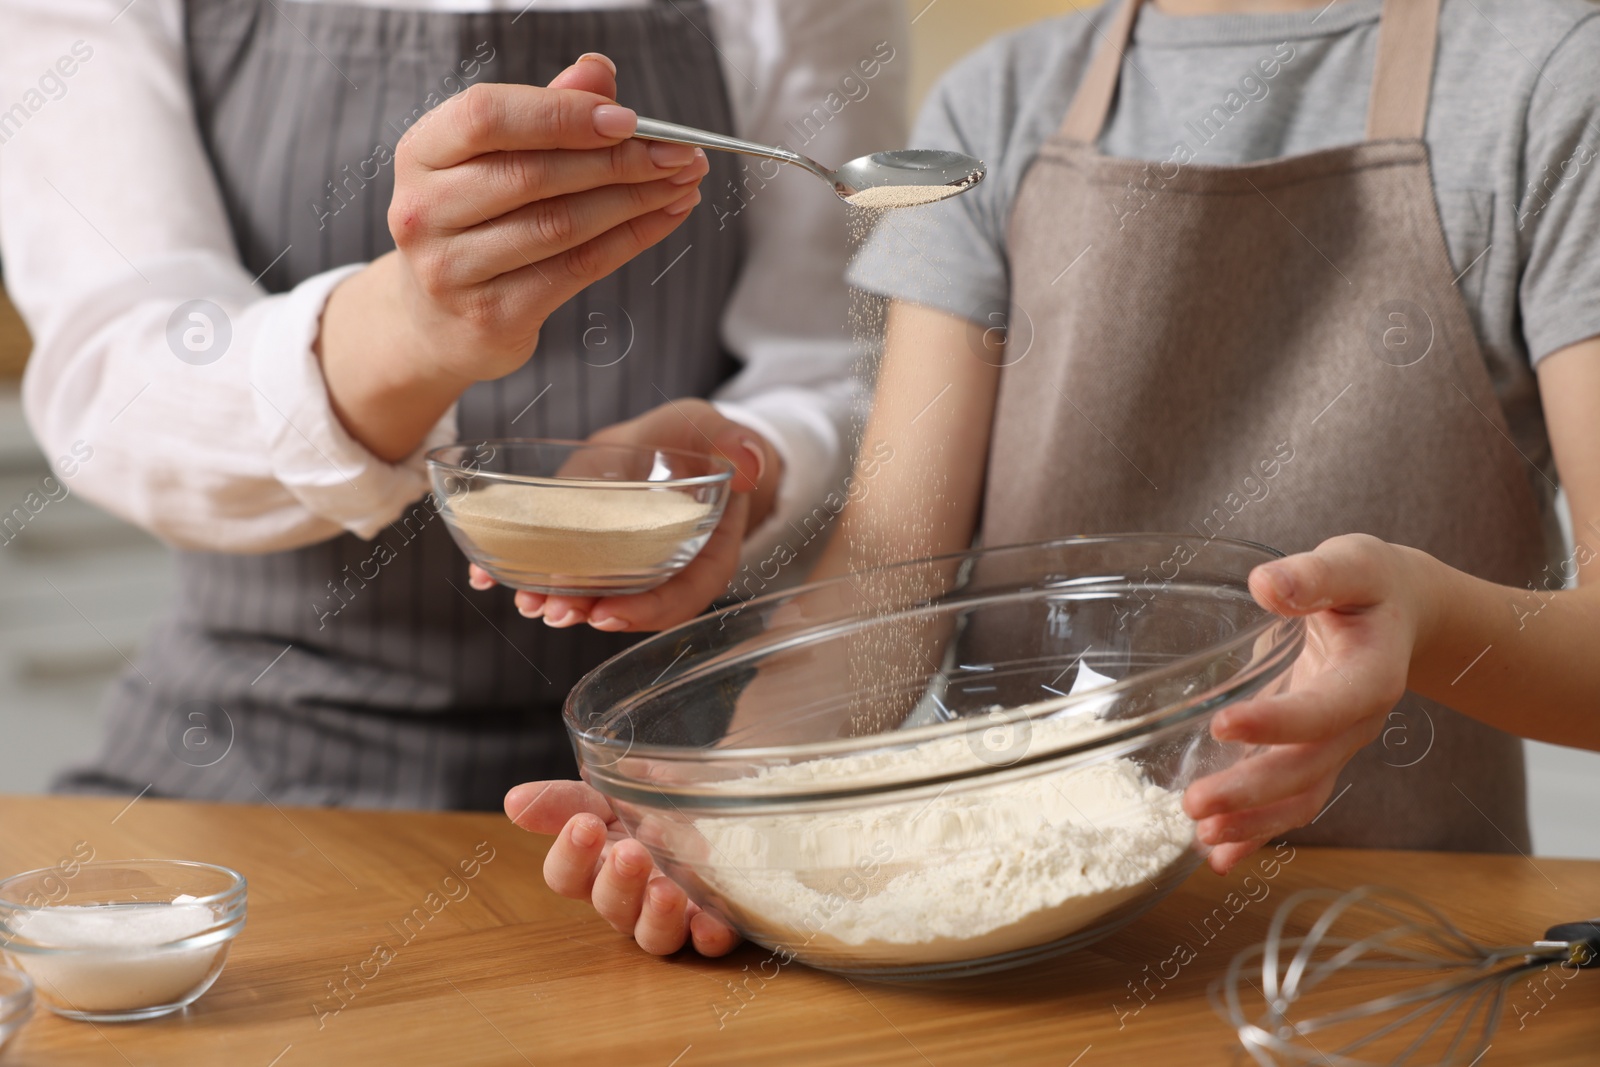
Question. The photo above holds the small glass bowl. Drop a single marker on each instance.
(102, 945)
(574, 519)
(16, 1003)
(943, 767)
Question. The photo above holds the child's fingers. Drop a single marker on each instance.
(1268, 778)
(618, 892)
(712, 936)
(1224, 857)
(663, 925)
(1367, 683)
(1260, 824)
(547, 807)
(1342, 573)
(573, 861)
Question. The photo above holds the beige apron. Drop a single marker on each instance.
(1275, 352)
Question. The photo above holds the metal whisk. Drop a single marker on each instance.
(1310, 997)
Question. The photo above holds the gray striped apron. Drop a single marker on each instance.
(336, 674)
(1275, 352)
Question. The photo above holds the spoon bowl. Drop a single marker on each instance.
(904, 178)
(908, 176)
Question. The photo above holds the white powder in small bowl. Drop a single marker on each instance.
(119, 964)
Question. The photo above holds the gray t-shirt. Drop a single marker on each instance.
(1513, 131)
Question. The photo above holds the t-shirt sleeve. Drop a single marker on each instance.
(1559, 211)
(951, 255)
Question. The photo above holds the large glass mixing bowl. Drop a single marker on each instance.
(942, 767)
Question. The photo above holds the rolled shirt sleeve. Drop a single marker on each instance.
(196, 396)
(232, 445)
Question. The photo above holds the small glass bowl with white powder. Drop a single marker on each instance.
(16, 1003)
(575, 519)
(123, 940)
(944, 767)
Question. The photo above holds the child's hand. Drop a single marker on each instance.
(594, 859)
(1362, 607)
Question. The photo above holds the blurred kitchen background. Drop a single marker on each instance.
(78, 588)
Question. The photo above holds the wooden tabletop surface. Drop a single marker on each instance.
(503, 972)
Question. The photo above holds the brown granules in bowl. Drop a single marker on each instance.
(577, 531)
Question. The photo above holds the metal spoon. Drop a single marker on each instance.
(906, 177)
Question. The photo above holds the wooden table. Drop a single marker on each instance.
(14, 341)
(507, 973)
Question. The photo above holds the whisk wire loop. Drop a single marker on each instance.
(1466, 990)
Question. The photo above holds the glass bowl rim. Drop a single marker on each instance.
(237, 881)
(1266, 668)
(226, 928)
(18, 1002)
(718, 477)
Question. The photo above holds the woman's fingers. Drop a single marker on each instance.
(546, 228)
(550, 284)
(530, 605)
(491, 185)
(691, 591)
(574, 860)
(491, 117)
(741, 447)
(561, 612)
(694, 425)
(592, 73)
(479, 578)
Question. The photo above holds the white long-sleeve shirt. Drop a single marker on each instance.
(110, 218)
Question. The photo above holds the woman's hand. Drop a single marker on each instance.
(1363, 607)
(594, 859)
(508, 200)
(693, 426)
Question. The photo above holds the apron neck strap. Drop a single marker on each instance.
(1402, 78)
(1401, 82)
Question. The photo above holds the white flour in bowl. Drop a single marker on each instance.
(966, 874)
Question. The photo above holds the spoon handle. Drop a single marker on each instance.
(656, 130)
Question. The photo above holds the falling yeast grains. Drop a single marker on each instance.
(888, 663)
